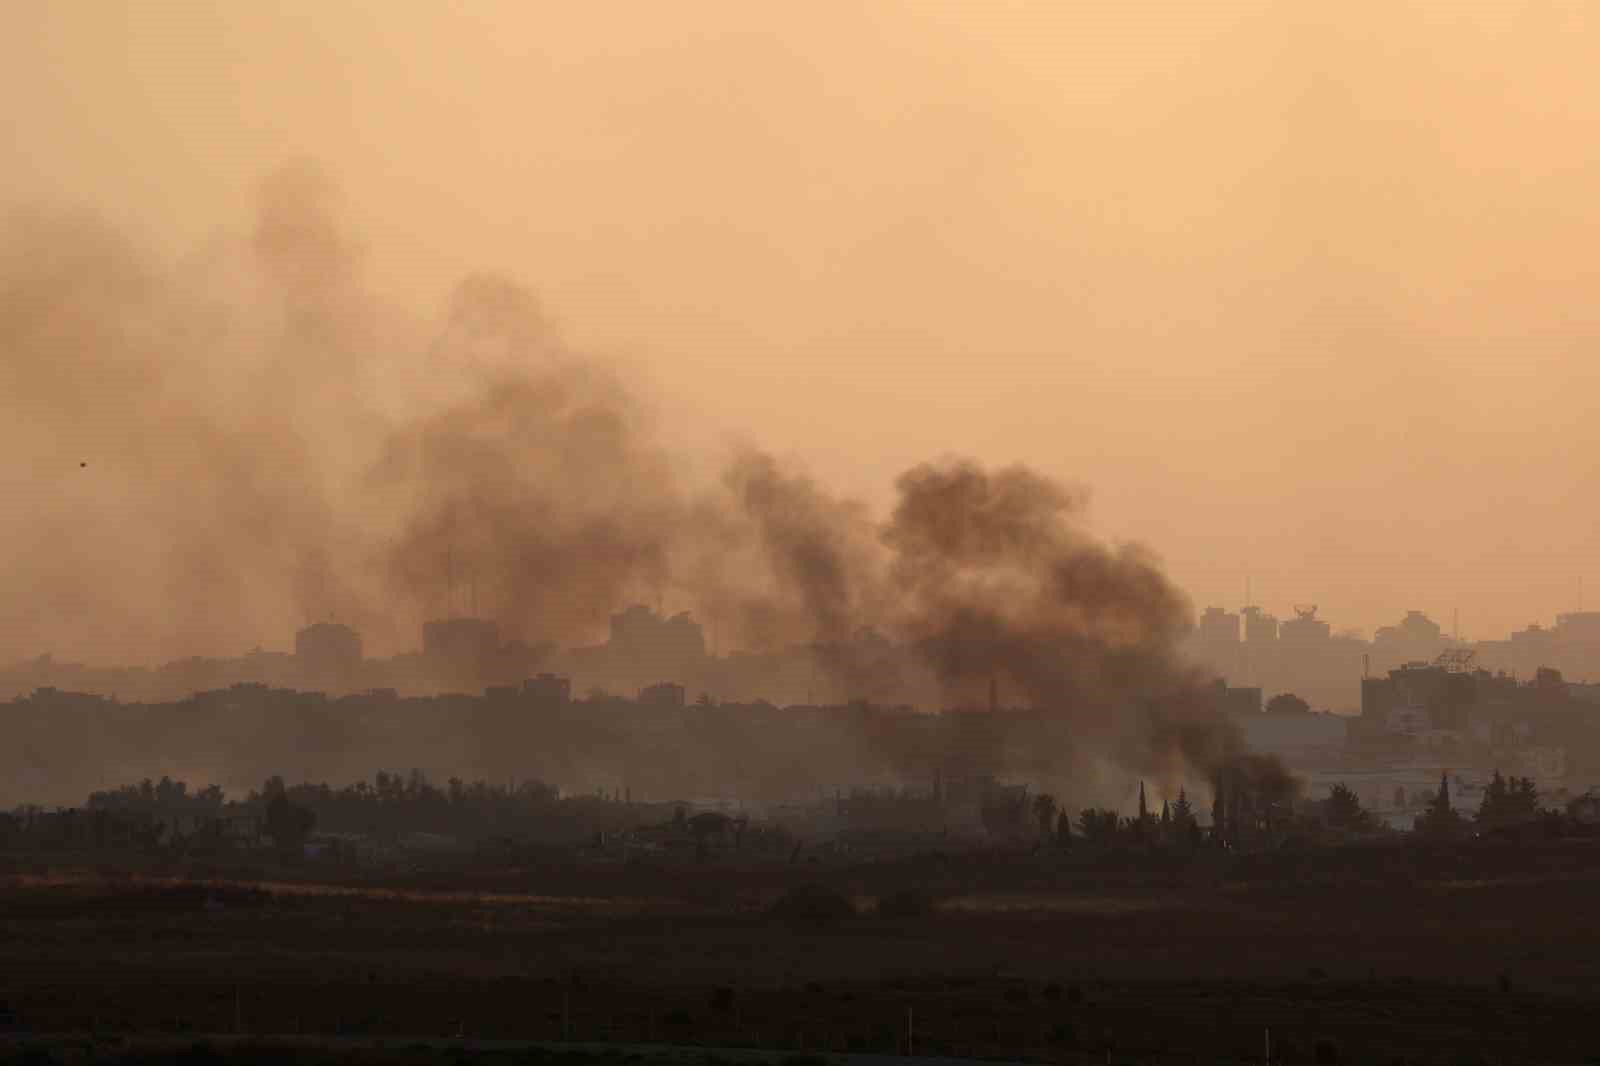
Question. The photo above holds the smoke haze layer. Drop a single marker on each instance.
(220, 449)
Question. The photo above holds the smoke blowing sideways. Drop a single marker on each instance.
(266, 444)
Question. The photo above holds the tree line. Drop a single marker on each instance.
(1510, 808)
(173, 814)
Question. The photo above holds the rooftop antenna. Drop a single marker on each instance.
(1455, 624)
(1247, 600)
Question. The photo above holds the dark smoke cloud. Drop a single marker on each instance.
(539, 496)
(270, 445)
(996, 581)
(816, 554)
(174, 438)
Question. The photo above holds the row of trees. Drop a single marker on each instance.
(391, 805)
(1508, 802)
(1177, 824)
(165, 795)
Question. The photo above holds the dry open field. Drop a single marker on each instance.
(1483, 954)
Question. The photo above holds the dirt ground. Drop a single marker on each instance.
(1476, 954)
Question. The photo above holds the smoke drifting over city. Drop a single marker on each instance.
(806, 534)
(225, 448)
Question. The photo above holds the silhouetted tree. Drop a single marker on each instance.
(168, 796)
(704, 826)
(1044, 809)
(1185, 825)
(1219, 814)
(1342, 810)
(1063, 830)
(1287, 703)
(1004, 813)
(1098, 825)
(289, 824)
(1508, 802)
(1440, 820)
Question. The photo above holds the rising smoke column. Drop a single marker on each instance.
(179, 434)
(996, 580)
(257, 467)
(979, 577)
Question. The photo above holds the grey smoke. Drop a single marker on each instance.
(272, 445)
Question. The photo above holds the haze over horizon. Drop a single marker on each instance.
(1299, 296)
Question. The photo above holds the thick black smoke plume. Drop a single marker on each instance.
(267, 444)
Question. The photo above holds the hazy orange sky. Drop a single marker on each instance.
(1304, 293)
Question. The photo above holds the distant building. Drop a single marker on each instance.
(1298, 739)
(460, 638)
(640, 635)
(644, 646)
(1418, 696)
(1216, 642)
(664, 694)
(460, 648)
(1260, 628)
(1577, 640)
(1543, 728)
(1304, 630)
(1415, 638)
(1218, 625)
(1585, 693)
(327, 650)
(548, 690)
(1236, 700)
(1579, 627)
